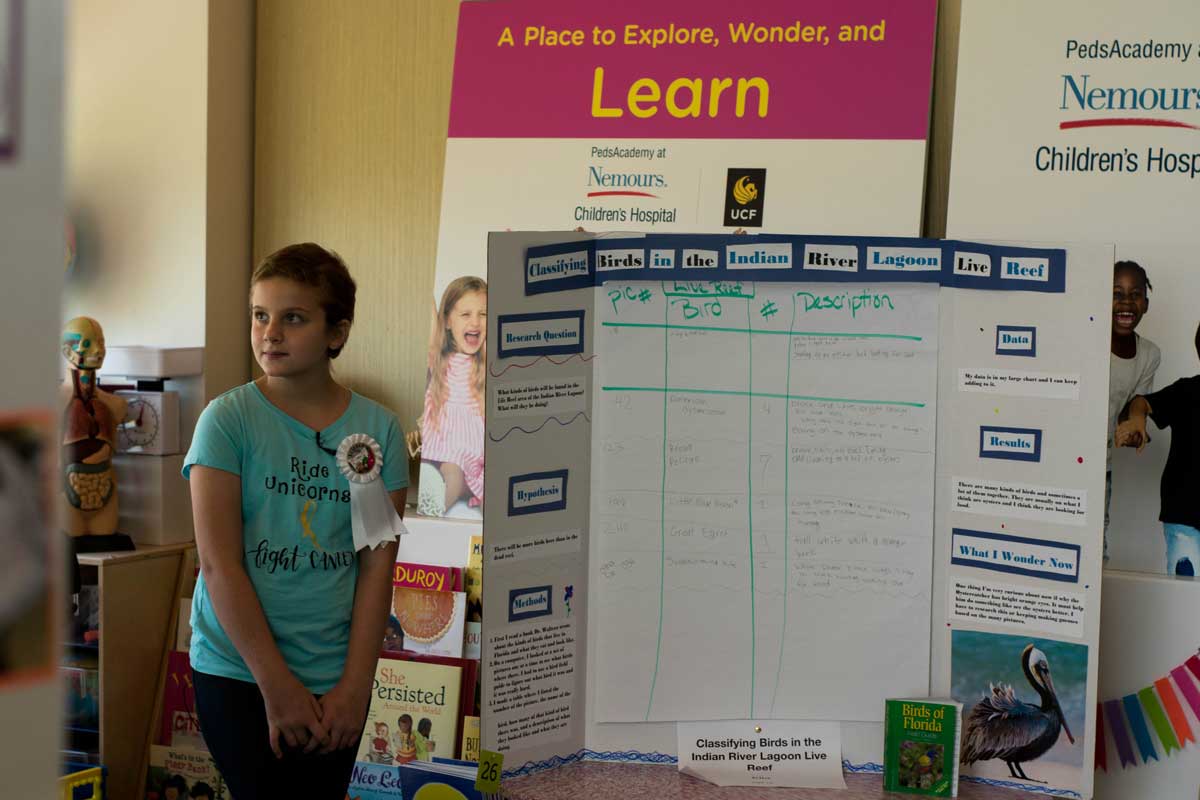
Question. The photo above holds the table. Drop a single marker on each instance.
(657, 782)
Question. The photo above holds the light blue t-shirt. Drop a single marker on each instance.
(297, 546)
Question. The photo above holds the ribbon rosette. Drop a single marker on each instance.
(373, 518)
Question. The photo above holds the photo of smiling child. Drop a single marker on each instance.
(1133, 358)
(452, 431)
(1176, 407)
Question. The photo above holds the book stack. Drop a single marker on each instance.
(473, 583)
(429, 607)
(422, 720)
(179, 758)
(189, 772)
(417, 706)
(442, 778)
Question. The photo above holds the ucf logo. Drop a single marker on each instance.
(744, 192)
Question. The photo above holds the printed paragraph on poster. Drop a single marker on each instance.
(1022, 607)
(533, 691)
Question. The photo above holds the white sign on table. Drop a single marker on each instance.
(763, 753)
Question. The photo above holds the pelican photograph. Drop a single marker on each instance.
(1024, 708)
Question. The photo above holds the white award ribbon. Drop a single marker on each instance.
(373, 519)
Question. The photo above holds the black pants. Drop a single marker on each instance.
(233, 719)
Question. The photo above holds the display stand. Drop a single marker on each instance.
(677, 542)
(136, 613)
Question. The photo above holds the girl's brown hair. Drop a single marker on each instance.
(442, 347)
(312, 265)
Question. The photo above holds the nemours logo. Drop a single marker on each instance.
(604, 183)
(1080, 93)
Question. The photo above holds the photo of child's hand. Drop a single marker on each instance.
(1132, 433)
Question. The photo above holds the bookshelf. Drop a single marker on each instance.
(137, 591)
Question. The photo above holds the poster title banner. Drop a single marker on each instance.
(777, 258)
(674, 69)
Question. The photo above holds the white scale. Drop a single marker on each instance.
(155, 505)
(152, 421)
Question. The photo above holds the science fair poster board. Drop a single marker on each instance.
(1093, 134)
(666, 116)
(743, 476)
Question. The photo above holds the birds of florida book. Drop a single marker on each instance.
(921, 740)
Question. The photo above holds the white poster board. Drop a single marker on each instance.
(721, 493)
(1091, 136)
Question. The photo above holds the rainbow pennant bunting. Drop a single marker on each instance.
(1154, 707)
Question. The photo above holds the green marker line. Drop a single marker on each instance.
(662, 516)
(750, 498)
(772, 395)
(725, 289)
(715, 295)
(762, 332)
(787, 515)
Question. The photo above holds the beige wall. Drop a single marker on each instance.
(159, 147)
(135, 150)
(352, 105)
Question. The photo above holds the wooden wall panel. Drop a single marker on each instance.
(229, 194)
(352, 103)
(945, 69)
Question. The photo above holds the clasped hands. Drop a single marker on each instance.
(302, 721)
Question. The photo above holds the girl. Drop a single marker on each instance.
(1133, 359)
(406, 745)
(425, 747)
(286, 617)
(452, 428)
(393, 635)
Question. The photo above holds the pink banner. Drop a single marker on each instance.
(1187, 689)
(772, 69)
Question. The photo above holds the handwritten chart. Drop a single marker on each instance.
(763, 475)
